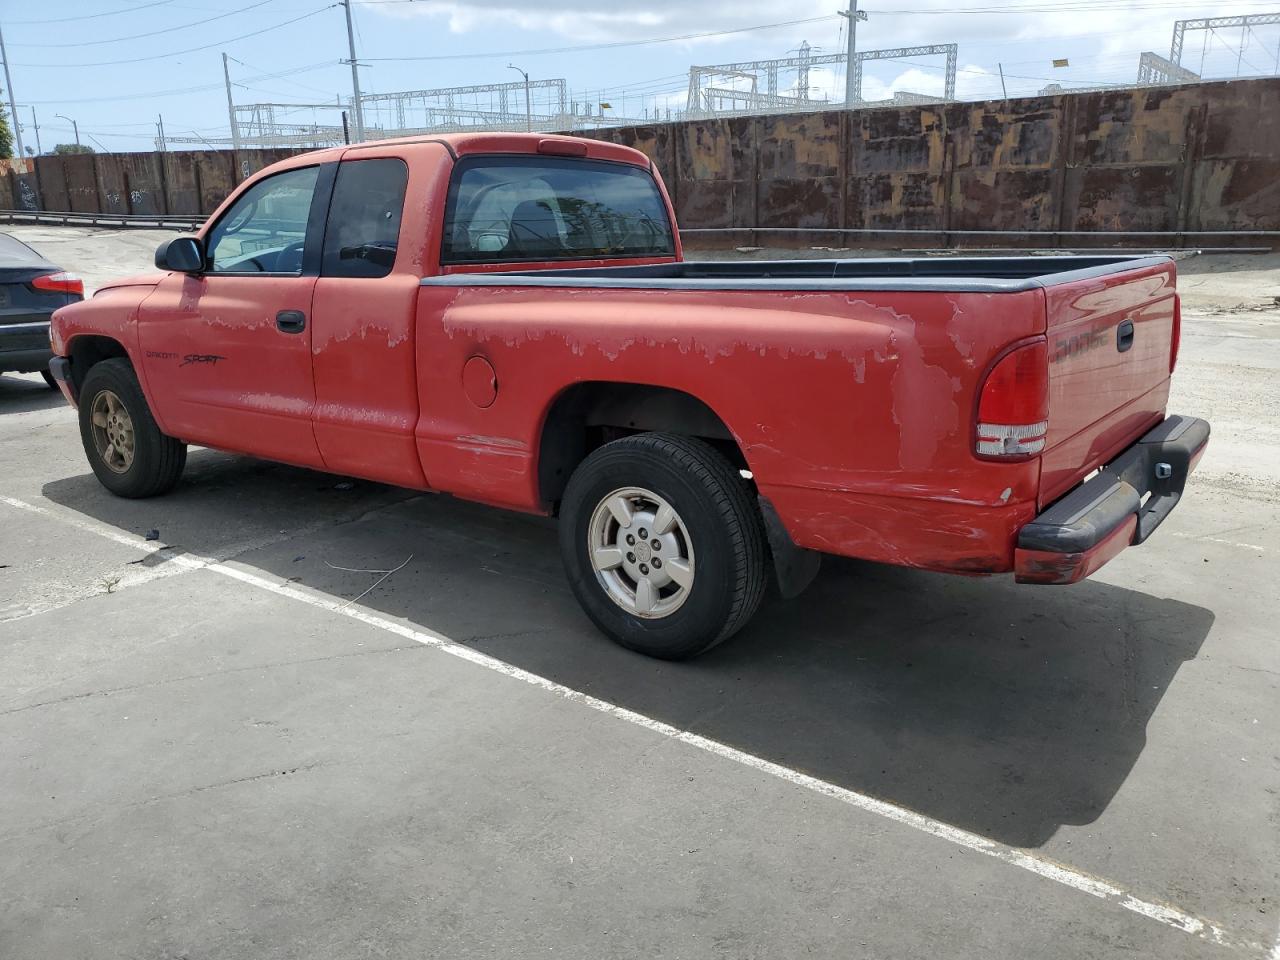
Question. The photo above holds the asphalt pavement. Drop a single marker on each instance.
(221, 743)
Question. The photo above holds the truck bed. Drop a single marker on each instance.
(850, 386)
(936, 274)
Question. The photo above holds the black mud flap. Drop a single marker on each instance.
(794, 567)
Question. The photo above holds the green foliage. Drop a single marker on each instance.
(6, 133)
(64, 148)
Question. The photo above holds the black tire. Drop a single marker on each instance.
(719, 510)
(157, 459)
(48, 378)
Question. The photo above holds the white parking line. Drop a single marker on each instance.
(172, 565)
(1229, 543)
(1064, 874)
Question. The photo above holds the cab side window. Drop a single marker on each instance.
(266, 228)
(363, 231)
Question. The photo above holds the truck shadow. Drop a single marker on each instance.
(1006, 710)
(24, 394)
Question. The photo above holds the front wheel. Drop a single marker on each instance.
(128, 453)
(663, 544)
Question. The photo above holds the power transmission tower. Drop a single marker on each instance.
(1214, 23)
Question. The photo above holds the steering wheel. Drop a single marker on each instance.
(240, 218)
(284, 261)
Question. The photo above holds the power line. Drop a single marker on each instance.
(100, 133)
(148, 94)
(153, 33)
(596, 46)
(1239, 52)
(266, 74)
(58, 21)
(178, 53)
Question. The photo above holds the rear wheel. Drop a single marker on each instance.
(128, 453)
(663, 544)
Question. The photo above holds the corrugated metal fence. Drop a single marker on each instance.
(1191, 158)
(188, 183)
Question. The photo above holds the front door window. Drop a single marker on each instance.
(266, 228)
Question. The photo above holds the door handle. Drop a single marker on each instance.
(291, 321)
(1124, 336)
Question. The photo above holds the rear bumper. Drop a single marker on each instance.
(24, 346)
(1107, 513)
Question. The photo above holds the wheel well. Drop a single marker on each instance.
(87, 350)
(589, 415)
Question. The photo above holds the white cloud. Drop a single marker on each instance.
(586, 21)
(1103, 41)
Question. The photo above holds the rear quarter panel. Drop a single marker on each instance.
(852, 403)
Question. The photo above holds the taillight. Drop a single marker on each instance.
(60, 283)
(1175, 338)
(1013, 409)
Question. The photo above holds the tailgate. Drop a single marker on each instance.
(1110, 343)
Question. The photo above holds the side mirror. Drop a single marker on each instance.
(183, 254)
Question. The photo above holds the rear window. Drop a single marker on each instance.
(508, 209)
(15, 253)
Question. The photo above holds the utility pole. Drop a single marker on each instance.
(75, 128)
(528, 112)
(13, 104)
(36, 127)
(358, 107)
(852, 72)
(160, 131)
(231, 110)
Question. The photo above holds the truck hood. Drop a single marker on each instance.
(141, 280)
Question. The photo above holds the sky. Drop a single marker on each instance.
(115, 66)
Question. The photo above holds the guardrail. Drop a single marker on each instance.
(68, 218)
(1179, 236)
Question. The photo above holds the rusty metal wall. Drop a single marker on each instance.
(17, 185)
(189, 183)
(1202, 157)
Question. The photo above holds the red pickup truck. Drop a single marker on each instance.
(508, 318)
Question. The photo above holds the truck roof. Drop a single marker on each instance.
(465, 144)
(462, 144)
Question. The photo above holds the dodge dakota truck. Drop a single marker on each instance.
(509, 318)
